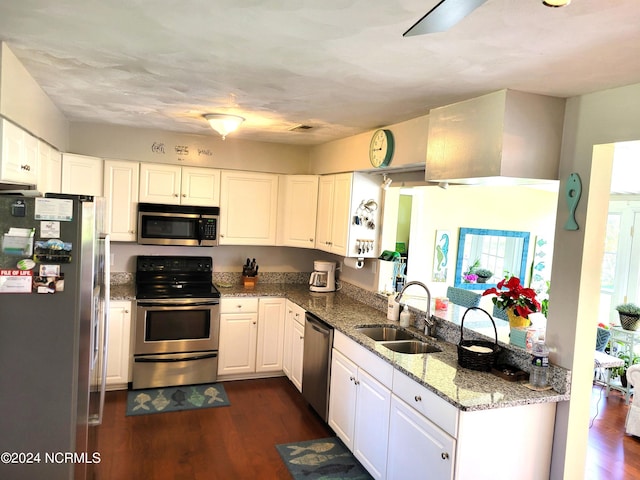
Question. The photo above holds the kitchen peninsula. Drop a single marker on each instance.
(472, 414)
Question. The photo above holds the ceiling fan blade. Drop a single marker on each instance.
(443, 16)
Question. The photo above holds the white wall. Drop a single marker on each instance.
(158, 146)
(23, 102)
(595, 119)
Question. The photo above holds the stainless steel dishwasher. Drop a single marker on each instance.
(316, 367)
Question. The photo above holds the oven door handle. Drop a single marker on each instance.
(177, 304)
(175, 359)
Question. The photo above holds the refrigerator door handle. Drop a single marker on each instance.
(103, 325)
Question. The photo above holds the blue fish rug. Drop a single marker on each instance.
(324, 458)
(173, 399)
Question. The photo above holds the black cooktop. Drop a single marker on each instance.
(174, 277)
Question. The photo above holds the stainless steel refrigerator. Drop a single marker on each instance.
(54, 293)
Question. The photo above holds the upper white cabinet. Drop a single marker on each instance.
(348, 222)
(298, 203)
(502, 134)
(81, 175)
(19, 162)
(176, 185)
(121, 183)
(248, 208)
(49, 169)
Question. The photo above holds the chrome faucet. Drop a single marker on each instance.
(428, 322)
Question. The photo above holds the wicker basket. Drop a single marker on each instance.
(482, 361)
(629, 322)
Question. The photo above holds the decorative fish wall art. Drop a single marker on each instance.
(573, 191)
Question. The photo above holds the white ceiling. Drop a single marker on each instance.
(340, 66)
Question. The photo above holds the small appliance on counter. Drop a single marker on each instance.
(323, 277)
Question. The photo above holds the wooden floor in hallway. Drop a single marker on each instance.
(611, 454)
(238, 442)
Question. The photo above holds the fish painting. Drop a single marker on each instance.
(573, 192)
(160, 402)
(316, 459)
(179, 397)
(214, 394)
(319, 447)
(196, 398)
(329, 469)
(141, 402)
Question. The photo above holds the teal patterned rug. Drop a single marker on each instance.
(173, 399)
(324, 458)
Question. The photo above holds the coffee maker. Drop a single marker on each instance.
(323, 277)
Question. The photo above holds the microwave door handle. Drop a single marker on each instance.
(200, 230)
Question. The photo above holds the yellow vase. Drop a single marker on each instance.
(516, 321)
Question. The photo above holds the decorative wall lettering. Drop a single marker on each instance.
(203, 151)
(157, 147)
(182, 150)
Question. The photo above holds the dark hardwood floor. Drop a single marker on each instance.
(238, 442)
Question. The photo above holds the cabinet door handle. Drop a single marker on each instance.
(311, 239)
(175, 195)
(417, 398)
(351, 379)
(255, 323)
(444, 455)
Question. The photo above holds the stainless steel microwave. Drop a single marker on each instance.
(184, 225)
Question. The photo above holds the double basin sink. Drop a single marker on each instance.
(399, 341)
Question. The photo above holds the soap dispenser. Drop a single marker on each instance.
(405, 317)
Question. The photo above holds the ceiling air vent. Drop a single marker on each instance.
(300, 128)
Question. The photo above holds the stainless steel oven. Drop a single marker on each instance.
(177, 326)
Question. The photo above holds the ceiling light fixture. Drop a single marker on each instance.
(556, 3)
(223, 123)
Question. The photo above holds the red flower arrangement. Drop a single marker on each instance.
(522, 300)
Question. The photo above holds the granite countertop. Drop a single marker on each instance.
(439, 372)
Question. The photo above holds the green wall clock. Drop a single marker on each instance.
(381, 148)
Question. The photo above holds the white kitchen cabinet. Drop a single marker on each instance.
(248, 208)
(118, 345)
(160, 183)
(176, 185)
(453, 443)
(297, 212)
(270, 348)
(251, 336)
(341, 199)
(19, 161)
(294, 343)
(200, 186)
(121, 183)
(417, 445)
(81, 175)
(360, 402)
(49, 169)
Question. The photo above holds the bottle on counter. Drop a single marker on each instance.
(539, 365)
(393, 308)
(405, 317)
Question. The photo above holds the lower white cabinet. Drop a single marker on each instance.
(360, 402)
(417, 446)
(251, 336)
(293, 355)
(118, 344)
